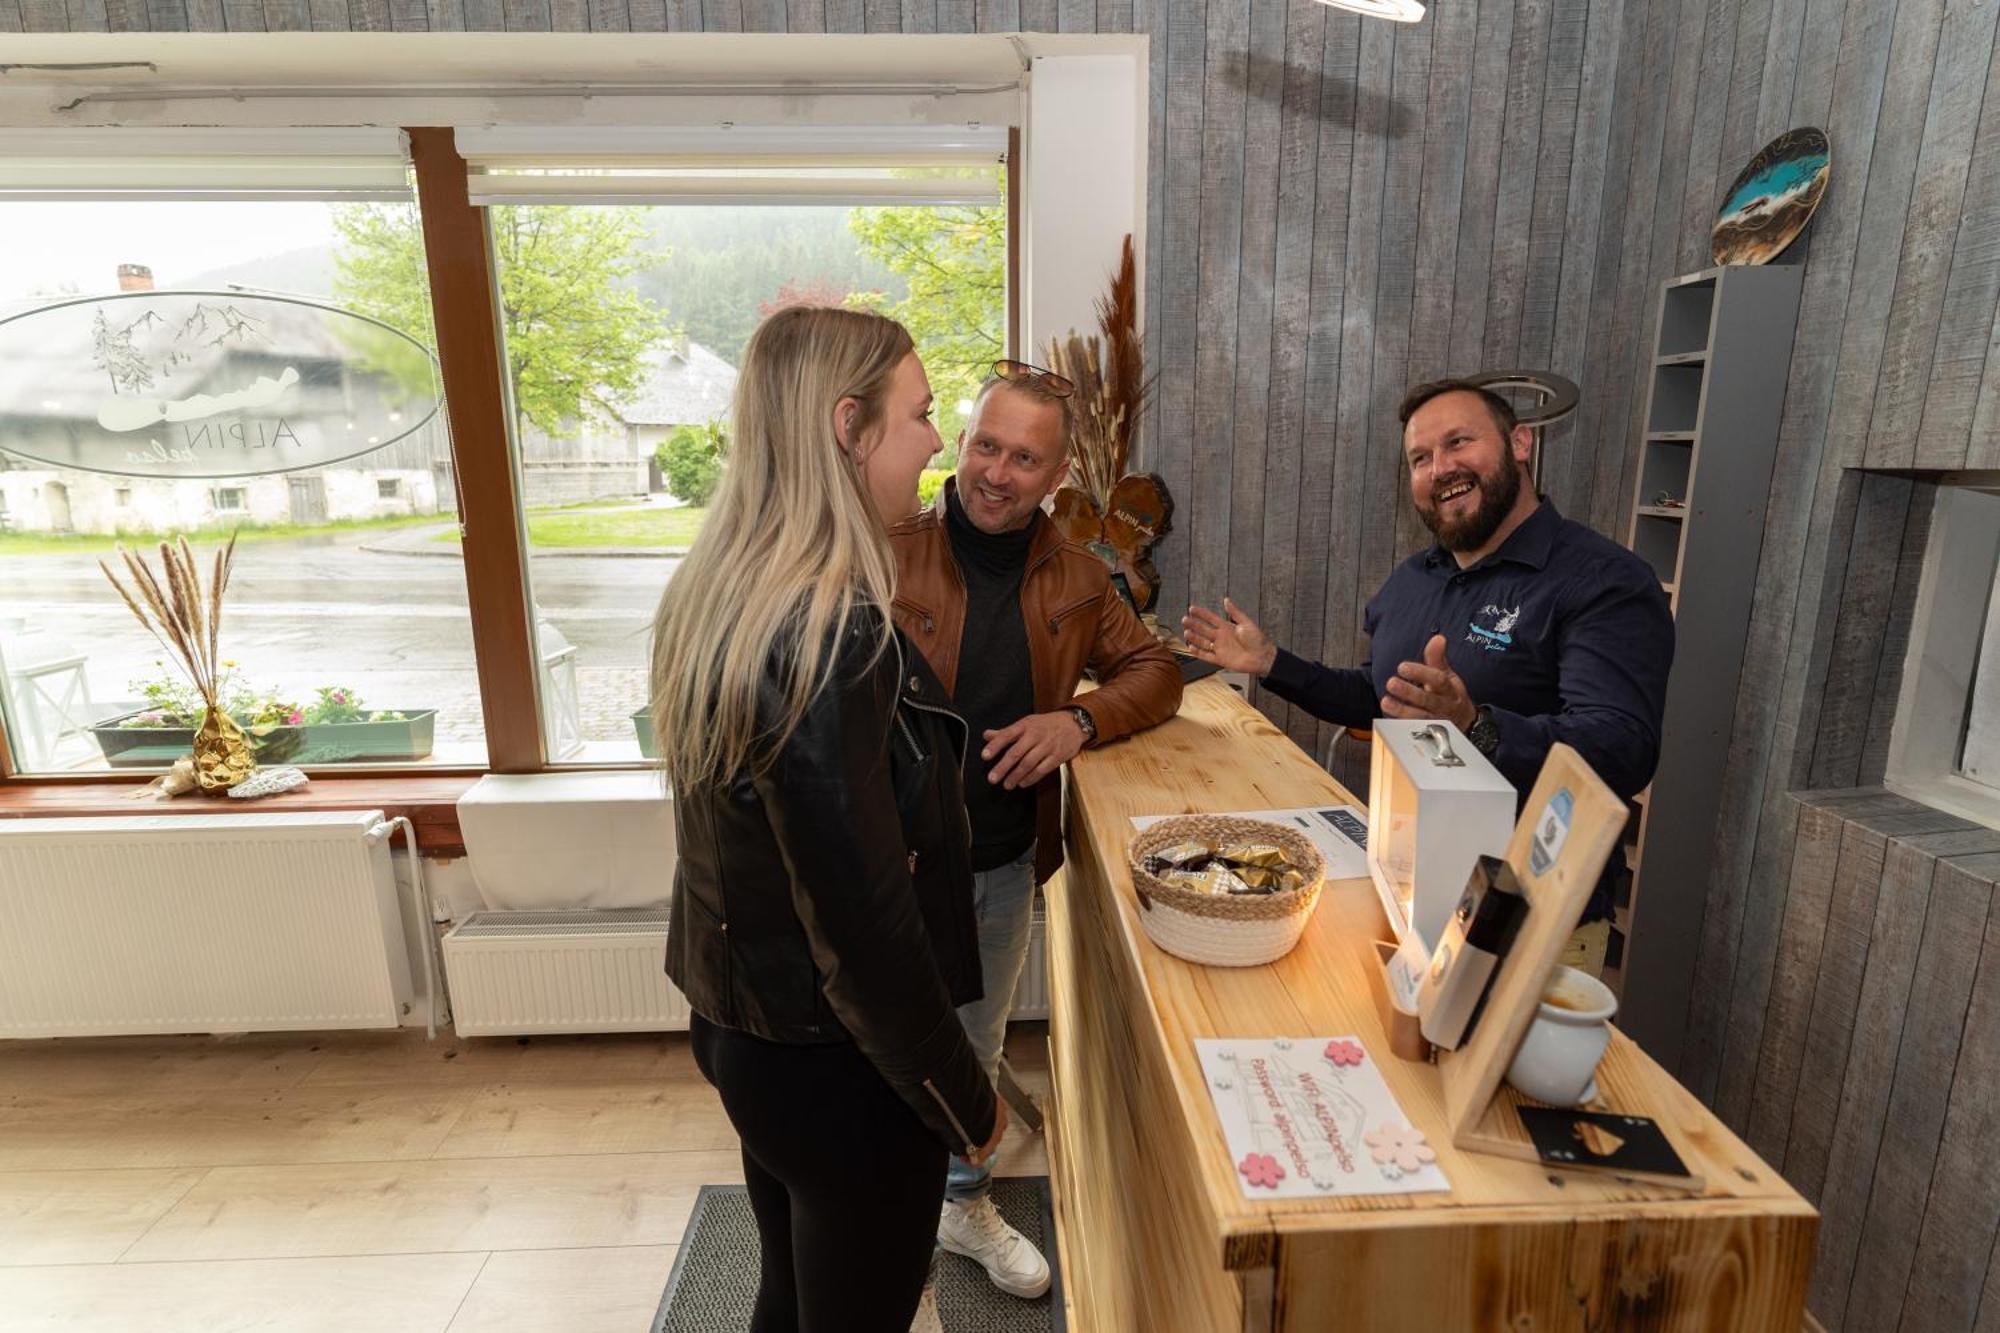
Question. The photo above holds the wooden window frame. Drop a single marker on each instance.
(472, 364)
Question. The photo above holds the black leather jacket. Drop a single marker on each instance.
(829, 898)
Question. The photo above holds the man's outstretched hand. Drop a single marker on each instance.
(1430, 689)
(1235, 644)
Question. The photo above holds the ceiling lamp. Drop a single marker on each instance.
(1396, 11)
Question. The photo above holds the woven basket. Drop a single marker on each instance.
(1227, 930)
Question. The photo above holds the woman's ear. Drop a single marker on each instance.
(845, 413)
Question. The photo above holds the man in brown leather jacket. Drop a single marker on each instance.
(1010, 616)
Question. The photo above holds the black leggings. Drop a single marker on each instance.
(844, 1178)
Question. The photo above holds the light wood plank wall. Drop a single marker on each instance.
(1878, 1069)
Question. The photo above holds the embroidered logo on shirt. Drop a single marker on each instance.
(1497, 634)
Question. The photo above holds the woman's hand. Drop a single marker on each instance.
(999, 1128)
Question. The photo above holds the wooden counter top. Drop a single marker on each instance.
(1139, 1064)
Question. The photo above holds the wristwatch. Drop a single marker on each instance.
(1484, 733)
(1084, 720)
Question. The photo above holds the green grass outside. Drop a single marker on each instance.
(90, 543)
(630, 527)
(96, 543)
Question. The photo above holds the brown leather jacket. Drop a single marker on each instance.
(1075, 620)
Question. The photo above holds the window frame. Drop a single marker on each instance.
(1935, 698)
(466, 328)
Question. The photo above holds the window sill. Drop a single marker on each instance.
(429, 801)
(1952, 794)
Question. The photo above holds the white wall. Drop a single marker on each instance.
(1083, 190)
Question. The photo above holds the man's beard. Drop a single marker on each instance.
(1496, 500)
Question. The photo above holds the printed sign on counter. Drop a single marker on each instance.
(1310, 1117)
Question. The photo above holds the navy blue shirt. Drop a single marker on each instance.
(1563, 633)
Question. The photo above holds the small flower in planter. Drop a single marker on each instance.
(1345, 1052)
(1261, 1170)
(1399, 1149)
(337, 703)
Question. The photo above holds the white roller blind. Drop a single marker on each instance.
(852, 164)
(156, 163)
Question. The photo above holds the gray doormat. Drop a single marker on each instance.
(714, 1282)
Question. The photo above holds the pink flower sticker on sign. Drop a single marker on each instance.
(1344, 1052)
(1262, 1170)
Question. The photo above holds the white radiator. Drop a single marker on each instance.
(598, 971)
(199, 923)
(563, 971)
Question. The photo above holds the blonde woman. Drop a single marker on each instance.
(822, 925)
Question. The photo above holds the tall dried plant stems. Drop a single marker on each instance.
(1108, 370)
(182, 616)
(1126, 387)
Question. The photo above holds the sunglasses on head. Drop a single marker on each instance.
(1020, 372)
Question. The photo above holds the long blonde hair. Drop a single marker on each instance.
(790, 551)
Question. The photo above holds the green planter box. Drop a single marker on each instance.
(642, 722)
(320, 743)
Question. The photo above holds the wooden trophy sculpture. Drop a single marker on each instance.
(1100, 507)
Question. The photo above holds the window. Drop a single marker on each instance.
(240, 346)
(1944, 747)
(621, 462)
(206, 368)
(624, 465)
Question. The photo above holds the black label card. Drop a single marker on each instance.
(1604, 1142)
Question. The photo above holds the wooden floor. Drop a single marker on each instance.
(357, 1182)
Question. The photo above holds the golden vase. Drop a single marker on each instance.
(222, 753)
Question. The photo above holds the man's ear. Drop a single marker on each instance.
(1062, 470)
(1522, 438)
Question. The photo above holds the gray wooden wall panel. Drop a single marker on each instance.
(1520, 144)
(1868, 588)
(1881, 1057)
(1736, 927)
(1219, 234)
(1395, 291)
(1294, 268)
(1949, 1272)
(1958, 80)
(1256, 296)
(1896, 628)
(1972, 293)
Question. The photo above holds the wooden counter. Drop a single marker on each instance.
(1155, 1232)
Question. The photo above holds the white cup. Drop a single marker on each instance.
(1557, 1062)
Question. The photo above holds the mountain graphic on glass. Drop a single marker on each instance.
(206, 384)
(1769, 204)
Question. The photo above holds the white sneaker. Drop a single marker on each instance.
(976, 1230)
(927, 1320)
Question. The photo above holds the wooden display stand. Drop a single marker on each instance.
(1557, 888)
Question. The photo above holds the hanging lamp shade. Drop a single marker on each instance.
(1396, 11)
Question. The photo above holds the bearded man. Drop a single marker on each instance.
(1520, 626)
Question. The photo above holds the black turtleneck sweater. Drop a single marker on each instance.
(995, 686)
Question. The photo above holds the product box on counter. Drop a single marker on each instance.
(1435, 805)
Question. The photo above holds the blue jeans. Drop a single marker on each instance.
(1003, 902)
